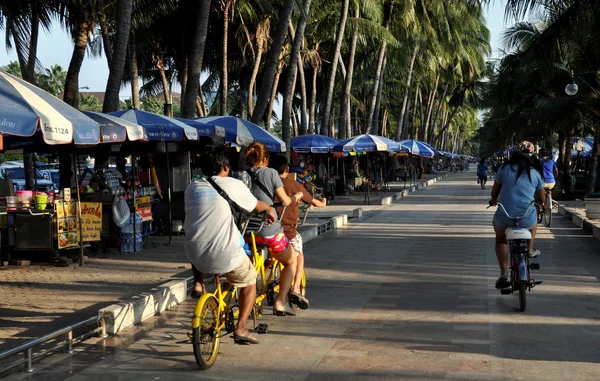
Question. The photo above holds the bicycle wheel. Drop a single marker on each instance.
(205, 331)
(522, 296)
(548, 211)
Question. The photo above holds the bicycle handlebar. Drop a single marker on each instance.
(514, 217)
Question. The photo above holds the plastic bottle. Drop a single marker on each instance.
(522, 269)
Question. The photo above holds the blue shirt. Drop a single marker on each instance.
(516, 194)
(482, 170)
(549, 166)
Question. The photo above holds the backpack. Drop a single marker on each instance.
(240, 216)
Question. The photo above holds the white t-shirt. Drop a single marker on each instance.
(212, 241)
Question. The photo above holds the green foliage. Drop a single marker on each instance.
(90, 103)
(13, 68)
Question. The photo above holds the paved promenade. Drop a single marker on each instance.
(404, 295)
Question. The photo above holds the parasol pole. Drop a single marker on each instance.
(79, 214)
(133, 187)
(169, 195)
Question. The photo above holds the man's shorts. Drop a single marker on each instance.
(276, 243)
(549, 185)
(296, 243)
(243, 275)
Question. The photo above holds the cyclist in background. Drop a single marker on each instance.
(482, 173)
(517, 183)
(550, 169)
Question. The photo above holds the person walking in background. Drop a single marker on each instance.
(482, 173)
(550, 169)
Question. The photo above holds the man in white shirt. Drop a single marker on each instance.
(214, 244)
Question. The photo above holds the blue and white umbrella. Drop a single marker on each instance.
(159, 127)
(417, 147)
(204, 129)
(117, 130)
(243, 132)
(313, 143)
(25, 108)
(368, 143)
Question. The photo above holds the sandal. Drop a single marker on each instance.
(299, 300)
(244, 339)
(285, 311)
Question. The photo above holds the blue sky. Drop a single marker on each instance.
(56, 47)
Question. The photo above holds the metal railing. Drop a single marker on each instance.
(66, 345)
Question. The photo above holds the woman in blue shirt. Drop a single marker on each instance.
(517, 184)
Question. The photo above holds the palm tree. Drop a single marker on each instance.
(289, 84)
(196, 56)
(119, 55)
(53, 80)
(270, 70)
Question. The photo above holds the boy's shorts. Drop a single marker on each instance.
(296, 243)
(243, 275)
(276, 243)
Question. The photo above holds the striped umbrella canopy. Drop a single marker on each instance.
(24, 109)
(117, 130)
(159, 127)
(368, 143)
(243, 132)
(313, 143)
(417, 147)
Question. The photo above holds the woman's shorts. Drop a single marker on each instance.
(276, 243)
(243, 275)
(482, 178)
(297, 243)
(549, 185)
(502, 222)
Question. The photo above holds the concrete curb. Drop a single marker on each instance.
(140, 307)
(578, 220)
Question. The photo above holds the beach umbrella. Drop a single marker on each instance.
(159, 127)
(313, 143)
(117, 130)
(204, 129)
(417, 147)
(368, 143)
(243, 132)
(25, 109)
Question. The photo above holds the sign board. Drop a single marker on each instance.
(143, 205)
(91, 217)
(66, 220)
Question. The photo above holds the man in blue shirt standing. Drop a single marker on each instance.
(550, 169)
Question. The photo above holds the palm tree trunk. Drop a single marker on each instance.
(165, 84)
(378, 99)
(135, 84)
(448, 121)
(313, 103)
(430, 108)
(304, 105)
(117, 63)
(195, 57)
(199, 108)
(378, 73)
(332, 69)
(183, 83)
(345, 112)
(272, 62)
(289, 86)
(252, 86)
(71, 93)
(104, 32)
(349, 128)
(408, 83)
(33, 41)
(273, 95)
(295, 125)
(413, 134)
(224, 79)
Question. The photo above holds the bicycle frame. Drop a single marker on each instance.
(224, 298)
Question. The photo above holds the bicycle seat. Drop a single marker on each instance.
(517, 233)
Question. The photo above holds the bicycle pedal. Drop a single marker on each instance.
(506, 291)
(534, 266)
(262, 328)
(538, 282)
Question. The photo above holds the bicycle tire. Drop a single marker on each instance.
(522, 296)
(205, 337)
(548, 211)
